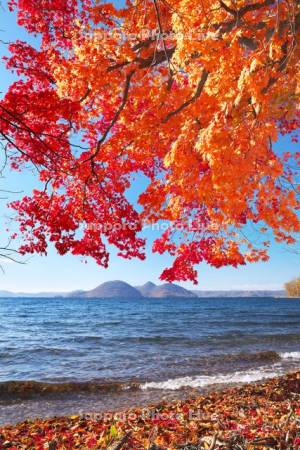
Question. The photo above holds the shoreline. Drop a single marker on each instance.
(258, 415)
(29, 399)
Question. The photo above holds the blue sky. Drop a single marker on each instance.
(57, 273)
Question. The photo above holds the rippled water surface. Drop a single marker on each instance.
(148, 348)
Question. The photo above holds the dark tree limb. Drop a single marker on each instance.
(197, 94)
(115, 118)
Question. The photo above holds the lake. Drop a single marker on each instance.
(112, 353)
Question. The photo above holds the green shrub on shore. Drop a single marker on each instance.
(293, 288)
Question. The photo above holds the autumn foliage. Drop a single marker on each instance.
(189, 94)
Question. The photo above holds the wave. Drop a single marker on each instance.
(53, 351)
(290, 355)
(202, 381)
(29, 353)
(239, 376)
(4, 355)
(268, 366)
(111, 322)
(86, 338)
(17, 390)
(214, 359)
(263, 356)
(159, 339)
(221, 361)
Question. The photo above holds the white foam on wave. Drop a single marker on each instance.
(201, 381)
(290, 355)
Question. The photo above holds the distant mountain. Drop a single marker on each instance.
(112, 289)
(147, 289)
(120, 289)
(78, 293)
(6, 294)
(9, 294)
(164, 290)
(244, 294)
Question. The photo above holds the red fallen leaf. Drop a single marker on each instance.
(259, 421)
(232, 426)
(92, 442)
(186, 409)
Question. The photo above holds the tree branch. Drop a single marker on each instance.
(239, 13)
(197, 94)
(161, 33)
(116, 116)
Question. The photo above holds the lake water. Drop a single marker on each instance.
(109, 354)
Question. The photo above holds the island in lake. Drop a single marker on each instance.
(121, 289)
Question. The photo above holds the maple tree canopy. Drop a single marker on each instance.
(190, 93)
